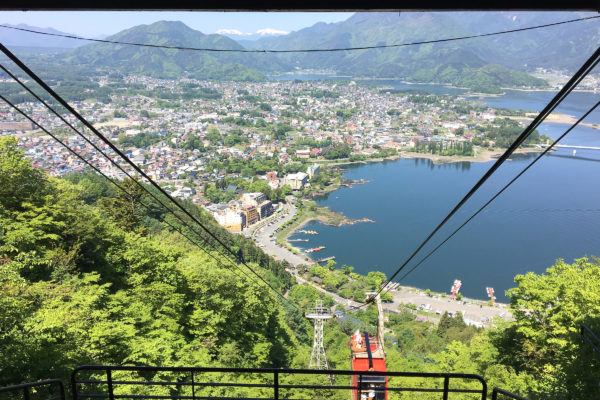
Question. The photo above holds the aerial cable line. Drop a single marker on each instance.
(204, 240)
(85, 122)
(102, 152)
(113, 181)
(384, 46)
(558, 98)
(546, 150)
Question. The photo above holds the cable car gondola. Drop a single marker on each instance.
(367, 354)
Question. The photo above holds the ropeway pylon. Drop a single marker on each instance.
(318, 359)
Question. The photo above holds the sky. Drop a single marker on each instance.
(94, 24)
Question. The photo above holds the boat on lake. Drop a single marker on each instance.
(315, 249)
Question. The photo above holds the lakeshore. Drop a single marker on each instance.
(321, 214)
(483, 155)
(332, 218)
(556, 118)
(427, 305)
(406, 197)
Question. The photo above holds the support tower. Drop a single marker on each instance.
(318, 359)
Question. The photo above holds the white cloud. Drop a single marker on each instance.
(260, 32)
(270, 31)
(231, 32)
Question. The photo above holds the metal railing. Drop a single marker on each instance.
(505, 394)
(182, 383)
(590, 337)
(51, 389)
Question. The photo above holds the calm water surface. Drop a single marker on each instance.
(551, 212)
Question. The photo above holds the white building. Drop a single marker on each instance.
(313, 170)
(296, 181)
(253, 199)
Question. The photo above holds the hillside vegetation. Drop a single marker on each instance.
(89, 277)
(172, 63)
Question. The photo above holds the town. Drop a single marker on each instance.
(237, 148)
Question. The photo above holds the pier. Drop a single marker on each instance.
(322, 260)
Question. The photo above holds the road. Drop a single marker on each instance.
(476, 311)
(265, 237)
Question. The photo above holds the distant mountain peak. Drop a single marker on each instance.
(231, 32)
(174, 63)
(271, 31)
(260, 33)
(14, 37)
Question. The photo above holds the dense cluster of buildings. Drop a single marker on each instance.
(237, 214)
(316, 115)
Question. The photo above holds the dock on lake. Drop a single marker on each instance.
(322, 260)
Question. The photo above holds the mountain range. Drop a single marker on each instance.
(18, 38)
(173, 63)
(244, 37)
(482, 64)
(496, 60)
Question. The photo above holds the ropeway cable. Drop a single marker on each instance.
(86, 123)
(204, 240)
(546, 150)
(103, 153)
(585, 69)
(384, 46)
(111, 180)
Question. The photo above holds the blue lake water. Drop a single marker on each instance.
(551, 212)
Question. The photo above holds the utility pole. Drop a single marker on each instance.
(318, 359)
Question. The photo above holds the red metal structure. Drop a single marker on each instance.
(367, 354)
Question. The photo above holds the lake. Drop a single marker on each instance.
(551, 212)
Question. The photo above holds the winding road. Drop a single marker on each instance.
(476, 311)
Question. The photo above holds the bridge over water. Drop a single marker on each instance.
(568, 146)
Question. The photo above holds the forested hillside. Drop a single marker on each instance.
(88, 276)
(483, 64)
(173, 63)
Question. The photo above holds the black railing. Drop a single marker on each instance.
(51, 389)
(499, 394)
(590, 337)
(180, 383)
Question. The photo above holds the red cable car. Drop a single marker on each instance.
(367, 354)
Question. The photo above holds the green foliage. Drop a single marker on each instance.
(19, 182)
(171, 63)
(213, 135)
(193, 143)
(306, 295)
(544, 341)
(506, 131)
(78, 286)
(234, 137)
(93, 186)
(446, 148)
(487, 79)
(280, 131)
(338, 150)
(125, 207)
(140, 140)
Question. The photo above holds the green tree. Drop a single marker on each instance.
(19, 182)
(125, 208)
(330, 265)
(347, 269)
(375, 279)
(262, 186)
(549, 310)
(213, 135)
(192, 143)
